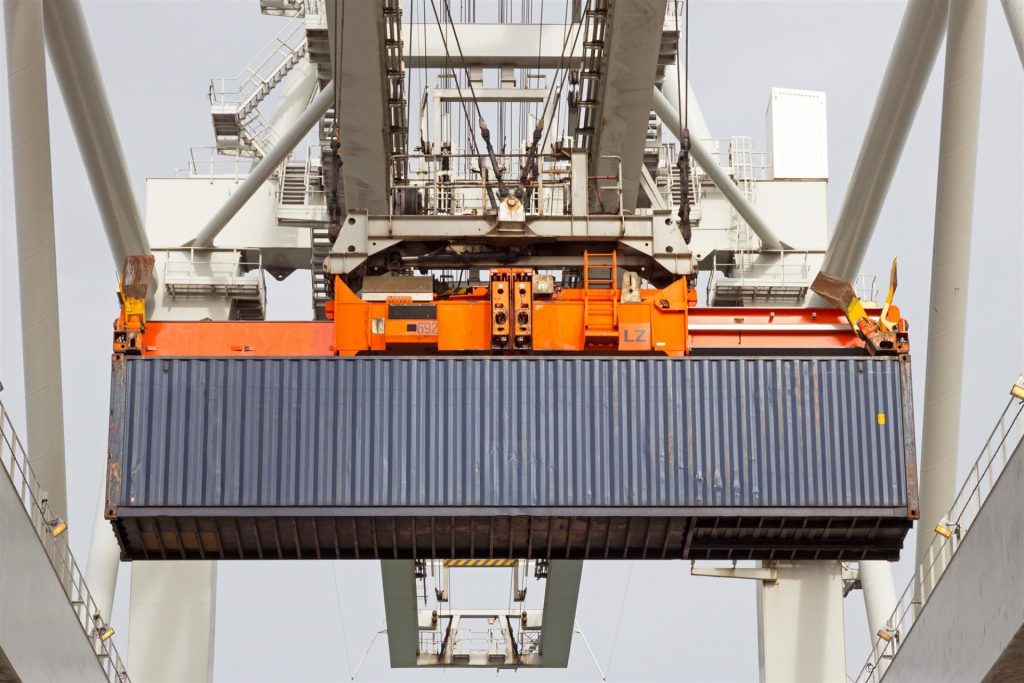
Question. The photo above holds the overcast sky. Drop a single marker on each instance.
(313, 620)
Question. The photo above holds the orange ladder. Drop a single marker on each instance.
(600, 297)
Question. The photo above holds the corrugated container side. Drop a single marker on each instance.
(512, 433)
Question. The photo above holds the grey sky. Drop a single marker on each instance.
(280, 620)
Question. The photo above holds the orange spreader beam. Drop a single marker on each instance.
(518, 321)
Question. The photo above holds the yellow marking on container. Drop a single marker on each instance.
(881, 418)
(481, 563)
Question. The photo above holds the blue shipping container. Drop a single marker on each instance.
(778, 454)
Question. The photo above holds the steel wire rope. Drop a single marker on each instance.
(683, 99)
(472, 92)
(426, 71)
(565, 37)
(552, 97)
(471, 135)
(337, 63)
(564, 70)
(618, 623)
(540, 45)
(683, 104)
(341, 619)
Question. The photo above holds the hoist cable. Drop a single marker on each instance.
(682, 103)
(469, 123)
(565, 71)
(341, 619)
(554, 95)
(485, 132)
(618, 623)
(334, 205)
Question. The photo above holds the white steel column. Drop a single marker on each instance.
(71, 53)
(37, 259)
(800, 624)
(78, 74)
(903, 84)
(879, 594)
(951, 256)
(170, 631)
(171, 618)
(1014, 10)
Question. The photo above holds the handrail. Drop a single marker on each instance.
(793, 269)
(550, 195)
(45, 523)
(980, 482)
(233, 277)
(237, 90)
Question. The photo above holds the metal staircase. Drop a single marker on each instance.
(321, 241)
(302, 203)
(293, 183)
(238, 126)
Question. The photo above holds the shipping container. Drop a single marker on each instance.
(578, 457)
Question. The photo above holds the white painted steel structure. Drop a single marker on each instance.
(74, 63)
(910, 65)
(627, 71)
(37, 258)
(1014, 10)
(951, 253)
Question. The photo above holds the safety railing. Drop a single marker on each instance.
(291, 8)
(464, 187)
(866, 287)
(792, 268)
(209, 163)
(311, 178)
(191, 271)
(950, 533)
(259, 133)
(470, 641)
(270, 65)
(50, 530)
